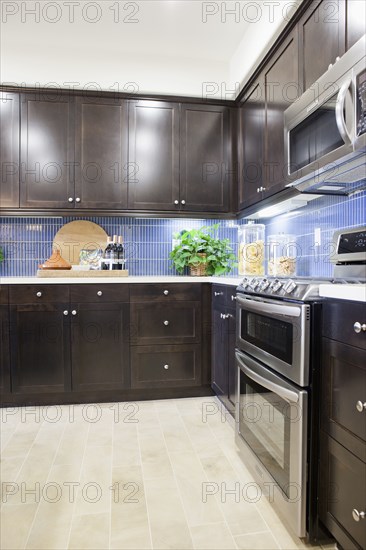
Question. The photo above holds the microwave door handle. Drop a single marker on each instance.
(339, 112)
(286, 394)
(263, 307)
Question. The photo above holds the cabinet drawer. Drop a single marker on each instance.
(165, 292)
(339, 318)
(170, 323)
(342, 490)
(165, 367)
(38, 294)
(3, 295)
(99, 293)
(344, 394)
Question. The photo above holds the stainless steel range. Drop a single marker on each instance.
(276, 353)
(278, 369)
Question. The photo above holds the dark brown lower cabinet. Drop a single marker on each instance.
(4, 350)
(100, 346)
(165, 366)
(342, 493)
(223, 345)
(40, 348)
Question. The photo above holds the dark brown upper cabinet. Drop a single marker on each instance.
(321, 39)
(205, 159)
(153, 158)
(47, 151)
(251, 145)
(356, 21)
(9, 150)
(101, 132)
(281, 89)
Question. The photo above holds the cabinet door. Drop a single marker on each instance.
(40, 348)
(153, 155)
(342, 490)
(100, 346)
(9, 150)
(4, 350)
(251, 145)
(321, 38)
(231, 343)
(219, 353)
(101, 153)
(47, 152)
(281, 88)
(205, 174)
(356, 21)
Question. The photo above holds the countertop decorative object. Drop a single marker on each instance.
(55, 263)
(79, 235)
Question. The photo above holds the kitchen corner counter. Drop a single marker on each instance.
(354, 292)
(146, 279)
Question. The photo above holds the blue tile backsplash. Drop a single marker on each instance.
(26, 242)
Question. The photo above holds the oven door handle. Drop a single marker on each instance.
(263, 307)
(285, 393)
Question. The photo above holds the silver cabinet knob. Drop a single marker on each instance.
(218, 293)
(166, 323)
(360, 406)
(176, 202)
(264, 188)
(258, 190)
(74, 312)
(166, 292)
(233, 298)
(70, 199)
(358, 515)
(99, 293)
(222, 316)
(39, 294)
(66, 312)
(183, 202)
(166, 367)
(357, 327)
(78, 199)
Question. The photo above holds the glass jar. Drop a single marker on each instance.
(251, 249)
(282, 255)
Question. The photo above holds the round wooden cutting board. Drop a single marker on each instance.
(78, 235)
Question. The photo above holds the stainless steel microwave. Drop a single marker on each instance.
(325, 129)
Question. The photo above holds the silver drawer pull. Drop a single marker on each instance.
(166, 367)
(218, 293)
(357, 327)
(360, 406)
(166, 292)
(99, 293)
(358, 515)
(66, 312)
(166, 323)
(74, 312)
(39, 294)
(233, 298)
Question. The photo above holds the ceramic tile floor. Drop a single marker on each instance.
(130, 476)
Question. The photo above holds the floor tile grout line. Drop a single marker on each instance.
(80, 474)
(175, 480)
(37, 510)
(143, 482)
(199, 460)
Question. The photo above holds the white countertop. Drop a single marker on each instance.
(234, 281)
(355, 292)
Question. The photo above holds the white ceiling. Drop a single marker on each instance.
(186, 47)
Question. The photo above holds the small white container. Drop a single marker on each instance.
(282, 252)
(251, 249)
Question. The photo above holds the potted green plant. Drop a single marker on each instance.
(203, 252)
(1, 255)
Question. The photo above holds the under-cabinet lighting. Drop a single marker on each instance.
(284, 207)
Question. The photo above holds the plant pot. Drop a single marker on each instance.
(198, 270)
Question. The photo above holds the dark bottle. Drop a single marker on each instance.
(120, 253)
(107, 254)
(114, 253)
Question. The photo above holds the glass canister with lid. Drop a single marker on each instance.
(251, 249)
(282, 252)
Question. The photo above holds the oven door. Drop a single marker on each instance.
(277, 333)
(271, 432)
